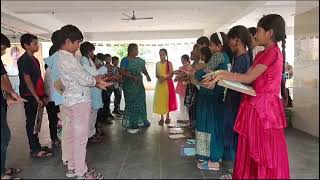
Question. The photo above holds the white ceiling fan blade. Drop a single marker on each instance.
(145, 18)
(126, 15)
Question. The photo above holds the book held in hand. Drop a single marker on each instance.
(236, 86)
(37, 124)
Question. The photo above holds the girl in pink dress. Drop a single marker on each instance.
(262, 149)
(182, 86)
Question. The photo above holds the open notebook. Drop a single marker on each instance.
(236, 86)
(243, 88)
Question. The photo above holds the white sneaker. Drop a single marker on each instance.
(65, 163)
(133, 131)
(70, 173)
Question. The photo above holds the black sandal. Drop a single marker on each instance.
(47, 149)
(46, 154)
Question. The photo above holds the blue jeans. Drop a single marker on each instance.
(5, 138)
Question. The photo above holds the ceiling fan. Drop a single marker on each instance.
(133, 17)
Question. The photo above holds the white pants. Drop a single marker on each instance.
(184, 115)
(92, 123)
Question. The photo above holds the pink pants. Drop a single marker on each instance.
(76, 136)
(63, 117)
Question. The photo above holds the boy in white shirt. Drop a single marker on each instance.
(77, 103)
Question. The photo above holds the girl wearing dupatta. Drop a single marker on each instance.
(164, 97)
(210, 107)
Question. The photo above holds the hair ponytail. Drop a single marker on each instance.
(243, 34)
(283, 54)
(250, 53)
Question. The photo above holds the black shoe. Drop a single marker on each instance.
(117, 113)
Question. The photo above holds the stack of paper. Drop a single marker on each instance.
(175, 130)
(176, 136)
(171, 125)
(183, 121)
(178, 125)
(182, 125)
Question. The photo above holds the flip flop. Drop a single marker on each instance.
(226, 176)
(13, 171)
(205, 166)
(10, 177)
(46, 154)
(201, 161)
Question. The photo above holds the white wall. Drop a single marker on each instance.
(306, 72)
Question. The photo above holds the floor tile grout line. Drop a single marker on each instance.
(120, 171)
(204, 177)
(160, 161)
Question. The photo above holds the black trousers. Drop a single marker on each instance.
(30, 108)
(117, 98)
(104, 112)
(52, 111)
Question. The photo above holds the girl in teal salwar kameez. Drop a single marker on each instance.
(210, 115)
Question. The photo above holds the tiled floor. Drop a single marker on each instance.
(148, 154)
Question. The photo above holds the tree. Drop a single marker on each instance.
(122, 50)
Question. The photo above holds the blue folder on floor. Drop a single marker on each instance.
(188, 150)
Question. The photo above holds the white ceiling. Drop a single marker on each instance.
(101, 20)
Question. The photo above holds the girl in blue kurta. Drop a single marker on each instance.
(209, 128)
(87, 49)
(239, 40)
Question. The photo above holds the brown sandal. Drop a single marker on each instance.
(161, 122)
(168, 121)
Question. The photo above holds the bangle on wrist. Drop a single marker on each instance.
(234, 77)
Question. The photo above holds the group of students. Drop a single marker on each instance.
(229, 125)
(74, 88)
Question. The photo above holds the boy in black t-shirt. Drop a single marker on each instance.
(32, 89)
